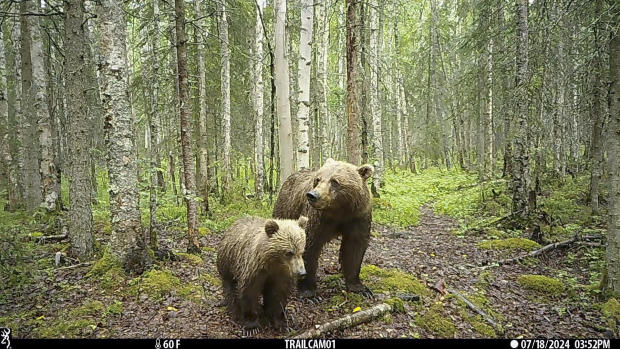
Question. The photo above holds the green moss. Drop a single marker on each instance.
(113, 279)
(156, 284)
(380, 280)
(191, 292)
(210, 279)
(509, 244)
(105, 263)
(208, 249)
(478, 324)
(67, 329)
(332, 281)
(116, 308)
(611, 312)
(541, 284)
(495, 233)
(398, 305)
(435, 321)
(202, 231)
(88, 309)
(346, 300)
(192, 258)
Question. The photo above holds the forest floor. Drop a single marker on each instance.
(179, 298)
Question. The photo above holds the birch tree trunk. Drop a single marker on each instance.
(186, 132)
(30, 141)
(521, 161)
(150, 109)
(375, 111)
(305, 61)
(285, 131)
(354, 150)
(127, 242)
(225, 87)
(15, 105)
(323, 46)
(47, 166)
(258, 102)
(8, 127)
(203, 185)
(613, 234)
(341, 75)
(488, 115)
(78, 133)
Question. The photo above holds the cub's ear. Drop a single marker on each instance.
(365, 171)
(302, 221)
(271, 227)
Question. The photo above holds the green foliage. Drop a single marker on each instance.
(509, 244)
(404, 193)
(397, 304)
(436, 322)
(116, 308)
(564, 200)
(541, 284)
(108, 271)
(92, 308)
(191, 258)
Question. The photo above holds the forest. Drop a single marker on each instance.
(469, 150)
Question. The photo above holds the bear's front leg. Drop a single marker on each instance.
(249, 312)
(275, 294)
(352, 250)
(307, 284)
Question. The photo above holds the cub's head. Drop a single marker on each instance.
(338, 184)
(287, 242)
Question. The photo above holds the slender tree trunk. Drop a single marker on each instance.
(613, 234)
(80, 213)
(174, 66)
(186, 132)
(353, 119)
(203, 185)
(9, 125)
(258, 102)
(323, 45)
(30, 141)
(596, 161)
(521, 161)
(47, 169)
(375, 113)
(341, 77)
(127, 242)
(488, 117)
(303, 109)
(285, 130)
(225, 87)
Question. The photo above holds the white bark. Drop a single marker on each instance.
(225, 87)
(203, 186)
(305, 61)
(258, 101)
(285, 131)
(375, 110)
(323, 46)
(127, 242)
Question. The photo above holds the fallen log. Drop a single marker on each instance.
(85, 264)
(550, 247)
(493, 222)
(473, 307)
(50, 238)
(347, 321)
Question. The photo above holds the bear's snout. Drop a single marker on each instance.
(313, 196)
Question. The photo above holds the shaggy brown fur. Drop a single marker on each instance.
(337, 202)
(258, 256)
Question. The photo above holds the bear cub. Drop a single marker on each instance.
(257, 257)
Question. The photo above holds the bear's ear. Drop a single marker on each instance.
(271, 227)
(303, 222)
(365, 171)
(329, 161)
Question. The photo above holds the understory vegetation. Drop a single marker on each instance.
(183, 279)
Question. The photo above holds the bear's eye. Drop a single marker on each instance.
(335, 184)
(289, 254)
(316, 181)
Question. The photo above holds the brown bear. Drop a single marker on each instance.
(337, 202)
(258, 256)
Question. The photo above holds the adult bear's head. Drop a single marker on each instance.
(340, 186)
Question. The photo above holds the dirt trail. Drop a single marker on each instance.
(429, 251)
